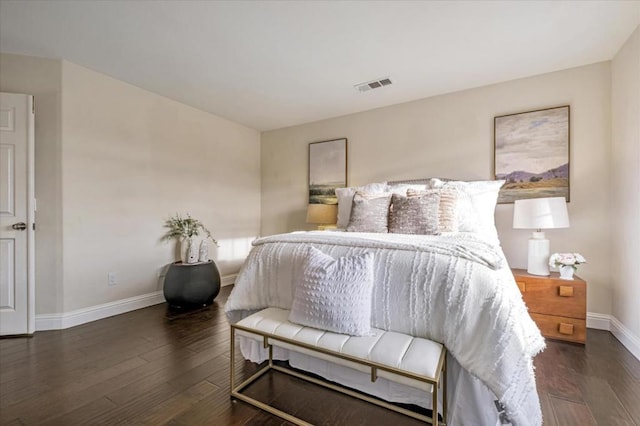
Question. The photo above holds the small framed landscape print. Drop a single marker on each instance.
(531, 152)
(327, 170)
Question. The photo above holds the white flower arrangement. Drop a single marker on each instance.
(566, 259)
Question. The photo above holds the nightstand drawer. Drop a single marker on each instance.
(554, 297)
(562, 328)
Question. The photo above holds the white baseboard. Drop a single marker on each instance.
(228, 279)
(619, 330)
(598, 321)
(626, 337)
(94, 313)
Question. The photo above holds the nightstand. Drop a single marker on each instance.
(192, 285)
(559, 307)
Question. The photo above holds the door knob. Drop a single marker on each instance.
(20, 226)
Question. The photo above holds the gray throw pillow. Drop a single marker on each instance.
(415, 215)
(334, 294)
(369, 213)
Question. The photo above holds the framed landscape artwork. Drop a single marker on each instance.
(532, 154)
(327, 170)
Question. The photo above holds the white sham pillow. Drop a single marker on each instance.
(334, 294)
(402, 188)
(484, 196)
(345, 199)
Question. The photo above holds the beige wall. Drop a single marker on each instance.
(452, 136)
(112, 163)
(43, 79)
(625, 184)
(130, 160)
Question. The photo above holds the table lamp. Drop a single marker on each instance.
(539, 214)
(323, 215)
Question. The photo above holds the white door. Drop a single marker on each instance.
(17, 287)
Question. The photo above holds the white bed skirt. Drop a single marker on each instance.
(469, 402)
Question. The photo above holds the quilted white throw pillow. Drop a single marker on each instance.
(334, 294)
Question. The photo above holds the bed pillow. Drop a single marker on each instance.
(455, 211)
(345, 199)
(484, 196)
(334, 294)
(402, 188)
(369, 213)
(415, 215)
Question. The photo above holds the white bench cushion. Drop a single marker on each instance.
(412, 354)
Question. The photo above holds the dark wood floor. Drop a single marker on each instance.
(142, 368)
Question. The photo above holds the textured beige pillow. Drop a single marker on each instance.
(449, 202)
(483, 195)
(415, 215)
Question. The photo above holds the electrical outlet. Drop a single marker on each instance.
(112, 278)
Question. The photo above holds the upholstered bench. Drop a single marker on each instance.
(398, 357)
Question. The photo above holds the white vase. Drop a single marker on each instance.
(203, 255)
(183, 249)
(192, 256)
(566, 272)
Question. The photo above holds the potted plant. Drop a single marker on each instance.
(195, 282)
(567, 263)
(184, 229)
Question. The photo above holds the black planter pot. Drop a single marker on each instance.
(191, 285)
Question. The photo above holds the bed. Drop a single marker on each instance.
(453, 287)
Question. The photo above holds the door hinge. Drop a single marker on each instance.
(33, 105)
(34, 226)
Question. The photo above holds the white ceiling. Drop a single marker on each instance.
(274, 64)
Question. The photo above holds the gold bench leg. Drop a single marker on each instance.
(233, 357)
(442, 385)
(434, 406)
(444, 390)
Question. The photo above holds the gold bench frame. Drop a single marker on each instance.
(440, 379)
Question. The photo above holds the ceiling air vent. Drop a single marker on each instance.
(373, 84)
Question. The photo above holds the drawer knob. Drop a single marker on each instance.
(564, 328)
(566, 291)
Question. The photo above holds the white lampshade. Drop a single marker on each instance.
(540, 213)
(322, 214)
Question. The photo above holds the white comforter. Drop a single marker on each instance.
(455, 289)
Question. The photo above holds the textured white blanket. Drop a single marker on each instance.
(455, 289)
